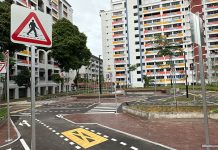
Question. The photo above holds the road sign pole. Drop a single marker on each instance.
(202, 75)
(33, 141)
(8, 100)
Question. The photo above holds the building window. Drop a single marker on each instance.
(138, 72)
(139, 79)
(135, 6)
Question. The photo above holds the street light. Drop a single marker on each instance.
(99, 74)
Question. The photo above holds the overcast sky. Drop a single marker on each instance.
(86, 17)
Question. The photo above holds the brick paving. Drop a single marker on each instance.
(182, 134)
(4, 133)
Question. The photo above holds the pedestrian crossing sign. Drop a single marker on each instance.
(30, 27)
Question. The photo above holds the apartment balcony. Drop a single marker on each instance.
(119, 48)
(117, 16)
(55, 15)
(118, 35)
(23, 62)
(150, 66)
(152, 17)
(163, 22)
(120, 75)
(211, 16)
(163, 66)
(212, 31)
(152, 10)
(118, 29)
(179, 65)
(213, 46)
(213, 39)
(173, 28)
(212, 8)
(151, 52)
(120, 68)
(119, 62)
(152, 31)
(119, 55)
(171, 7)
(171, 14)
(55, 7)
(179, 35)
(149, 45)
(117, 22)
(118, 42)
(210, 1)
(148, 38)
(34, 1)
(24, 2)
(55, 1)
(24, 53)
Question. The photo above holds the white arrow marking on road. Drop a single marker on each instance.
(24, 122)
(26, 147)
(9, 149)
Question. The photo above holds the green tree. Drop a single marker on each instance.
(57, 78)
(131, 68)
(23, 78)
(147, 81)
(166, 48)
(5, 24)
(69, 46)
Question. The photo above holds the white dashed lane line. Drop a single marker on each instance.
(78, 147)
(57, 133)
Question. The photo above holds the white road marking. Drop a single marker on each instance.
(87, 128)
(77, 147)
(98, 133)
(81, 126)
(106, 136)
(122, 143)
(66, 139)
(26, 147)
(113, 139)
(134, 148)
(57, 133)
(92, 130)
(61, 136)
(71, 143)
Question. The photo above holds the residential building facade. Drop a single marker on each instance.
(91, 72)
(45, 64)
(129, 30)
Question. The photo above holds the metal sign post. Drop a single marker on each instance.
(33, 143)
(8, 100)
(32, 28)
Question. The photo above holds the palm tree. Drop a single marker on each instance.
(131, 68)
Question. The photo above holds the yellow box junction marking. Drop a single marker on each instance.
(84, 137)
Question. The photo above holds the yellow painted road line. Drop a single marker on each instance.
(84, 138)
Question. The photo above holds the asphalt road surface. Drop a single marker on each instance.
(53, 132)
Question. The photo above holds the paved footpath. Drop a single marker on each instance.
(182, 134)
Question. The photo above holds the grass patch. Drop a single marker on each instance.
(183, 87)
(172, 108)
(182, 99)
(3, 112)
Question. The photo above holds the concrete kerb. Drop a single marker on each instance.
(131, 135)
(18, 136)
(166, 115)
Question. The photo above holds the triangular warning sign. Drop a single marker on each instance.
(31, 31)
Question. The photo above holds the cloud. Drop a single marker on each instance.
(86, 17)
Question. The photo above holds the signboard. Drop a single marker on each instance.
(2, 67)
(30, 27)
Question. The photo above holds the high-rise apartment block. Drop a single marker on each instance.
(129, 30)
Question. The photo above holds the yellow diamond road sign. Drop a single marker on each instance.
(84, 138)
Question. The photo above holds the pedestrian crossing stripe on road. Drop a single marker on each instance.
(84, 138)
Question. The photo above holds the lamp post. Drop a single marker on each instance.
(99, 74)
(186, 76)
